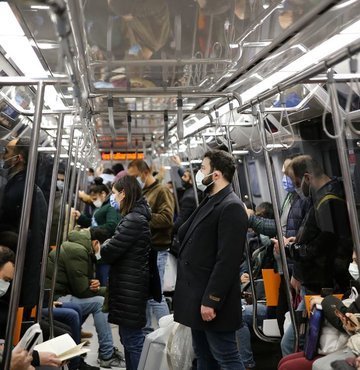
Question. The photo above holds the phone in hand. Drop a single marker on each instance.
(348, 320)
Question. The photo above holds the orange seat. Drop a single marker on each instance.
(271, 286)
(19, 322)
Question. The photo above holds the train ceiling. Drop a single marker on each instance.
(134, 61)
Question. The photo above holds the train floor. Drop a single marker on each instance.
(91, 357)
(267, 355)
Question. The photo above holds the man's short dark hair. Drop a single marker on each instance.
(22, 147)
(140, 164)
(100, 233)
(9, 239)
(265, 209)
(117, 167)
(6, 255)
(223, 162)
(305, 164)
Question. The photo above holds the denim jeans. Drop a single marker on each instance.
(152, 307)
(288, 339)
(133, 340)
(243, 335)
(102, 273)
(216, 350)
(94, 306)
(70, 314)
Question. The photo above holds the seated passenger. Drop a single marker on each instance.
(75, 283)
(329, 304)
(243, 335)
(20, 359)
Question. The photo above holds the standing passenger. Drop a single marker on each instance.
(207, 292)
(162, 212)
(128, 255)
(105, 216)
(322, 249)
(15, 161)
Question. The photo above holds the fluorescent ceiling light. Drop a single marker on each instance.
(240, 152)
(18, 48)
(276, 146)
(48, 45)
(40, 7)
(9, 26)
(314, 56)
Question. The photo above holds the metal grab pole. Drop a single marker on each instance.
(345, 169)
(50, 217)
(59, 235)
(235, 181)
(247, 179)
(274, 197)
(82, 159)
(71, 189)
(237, 190)
(193, 180)
(24, 225)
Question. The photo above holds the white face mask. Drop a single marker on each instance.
(354, 270)
(90, 179)
(199, 180)
(4, 286)
(97, 203)
(60, 185)
(98, 256)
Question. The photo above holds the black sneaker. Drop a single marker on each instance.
(85, 366)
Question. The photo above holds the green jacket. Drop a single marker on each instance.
(162, 206)
(75, 267)
(106, 217)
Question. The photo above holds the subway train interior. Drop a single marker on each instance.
(90, 87)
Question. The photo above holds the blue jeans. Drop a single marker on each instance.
(216, 350)
(102, 273)
(288, 339)
(94, 306)
(243, 335)
(132, 339)
(69, 314)
(152, 307)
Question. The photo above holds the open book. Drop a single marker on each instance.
(63, 346)
(32, 336)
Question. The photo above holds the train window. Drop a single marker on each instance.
(254, 180)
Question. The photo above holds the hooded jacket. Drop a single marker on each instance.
(127, 252)
(106, 217)
(75, 267)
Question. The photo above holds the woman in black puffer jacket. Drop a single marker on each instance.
(127, 252)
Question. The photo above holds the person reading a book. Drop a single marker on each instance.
(21, 359)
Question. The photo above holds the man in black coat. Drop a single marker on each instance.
(207, 293)
(15, 162)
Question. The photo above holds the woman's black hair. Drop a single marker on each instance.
(98, 187)
(132, 191)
